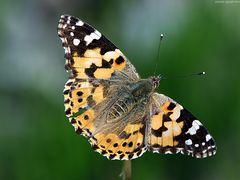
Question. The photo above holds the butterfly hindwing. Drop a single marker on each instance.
(124, 145)
(80, 94)
(119, 134)
(122, 137)
(176, 130)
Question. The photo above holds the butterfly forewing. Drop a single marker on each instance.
(89, 54)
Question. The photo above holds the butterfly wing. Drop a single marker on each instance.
(112, 131)
(126, 145)
(125, 140)
(173, 130)
(94, 62)
(97, 68)
(89, 54)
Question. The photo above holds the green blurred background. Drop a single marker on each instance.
(36, 139)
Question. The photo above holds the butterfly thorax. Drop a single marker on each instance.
(132, 95)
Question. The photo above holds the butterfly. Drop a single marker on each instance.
(119, 113)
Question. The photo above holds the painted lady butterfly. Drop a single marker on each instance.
(121, 115)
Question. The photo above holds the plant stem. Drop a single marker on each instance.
(127, 170)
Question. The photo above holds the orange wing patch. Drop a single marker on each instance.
(175, 130)
(83, 123)
(164, 126)
(95, 65)
(128, 144)
(81, 94)
(86, 50)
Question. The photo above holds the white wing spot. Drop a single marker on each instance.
(191, 131)
(71, 34)
(76, 42)
(204, 155)
(196, 145)
(65, 50)
(73, 27)
(208, 137)
(188, 142)
(98, 33)
(203, 143)
(80, 23)
(195, 126)
(198, 156)
(60, 25)
(168, 152)
(178, 150)
(89, 38)
(198, 122)
(209, 147)
(94, 36)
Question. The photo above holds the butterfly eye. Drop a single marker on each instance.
(155, 80)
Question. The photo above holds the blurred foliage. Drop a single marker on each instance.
(36, 140)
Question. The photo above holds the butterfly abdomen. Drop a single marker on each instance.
(120, 108)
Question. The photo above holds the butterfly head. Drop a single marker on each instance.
(155, 80)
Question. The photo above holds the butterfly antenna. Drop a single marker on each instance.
(158, 53)
(185, 76)
(194, 74)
